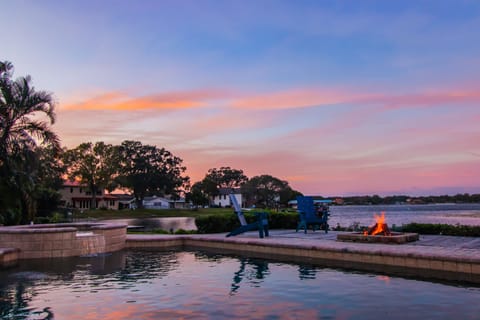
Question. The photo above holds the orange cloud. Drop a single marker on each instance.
(287, 99)
(171, 100)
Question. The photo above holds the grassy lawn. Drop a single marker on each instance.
(148, 213)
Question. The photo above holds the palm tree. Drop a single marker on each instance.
(25, 119)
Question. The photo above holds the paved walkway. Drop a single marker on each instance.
(427, 245)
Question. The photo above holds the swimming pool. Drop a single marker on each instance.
(200, 285)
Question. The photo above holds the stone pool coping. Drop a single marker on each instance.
(428, 257)
(52, 227)
(60, 240)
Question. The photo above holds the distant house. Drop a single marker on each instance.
(77, 195)
(156, 203)
(163, 203)
(125, 201)
(223, 198)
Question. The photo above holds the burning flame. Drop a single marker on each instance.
(379, 227)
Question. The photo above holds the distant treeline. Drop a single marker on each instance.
(402, 199)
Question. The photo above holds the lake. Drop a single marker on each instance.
(464, 214)
(198, 285)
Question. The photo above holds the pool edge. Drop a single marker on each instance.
(399, 262)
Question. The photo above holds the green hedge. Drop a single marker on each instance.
(227, 222)
(283, 220)
(161, 231)
(442, 229)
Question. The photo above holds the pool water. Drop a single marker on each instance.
(199, 285)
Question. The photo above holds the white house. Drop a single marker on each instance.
(156, 203)
(223, 199)
(163, 203)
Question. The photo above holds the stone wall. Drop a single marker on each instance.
(63, 240)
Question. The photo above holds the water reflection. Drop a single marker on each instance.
(306, 272)
(168, 284)
(119, 270)
(253, 270)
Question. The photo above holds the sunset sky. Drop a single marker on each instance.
(336, 97)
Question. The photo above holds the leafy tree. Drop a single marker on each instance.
(197, 195)
(94, 165)
(288, 194)
(50, 172)
(25, 119)
(265, 191)
(148, 170)
(225, 177)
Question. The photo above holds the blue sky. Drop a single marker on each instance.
(336, 97)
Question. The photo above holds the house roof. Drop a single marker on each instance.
(155, 198)
(124, 196)
(163, 199)
(72, 183)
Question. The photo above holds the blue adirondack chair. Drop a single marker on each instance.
(261, 224)
(309, 215)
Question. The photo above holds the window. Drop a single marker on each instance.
(84, 204)
(71, 190)
(80, 190)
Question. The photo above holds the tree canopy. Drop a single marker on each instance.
(148, 170)
(94, 165)
(25, 119)
(266, 191)
(224, 177)
(197, 195)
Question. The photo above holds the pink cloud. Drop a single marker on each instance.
(424, 99)
(171, 100)
(294, 98)
(309, 97)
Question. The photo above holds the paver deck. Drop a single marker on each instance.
(440, 257)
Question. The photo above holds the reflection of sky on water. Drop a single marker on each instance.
(465, 214)
(193, 285)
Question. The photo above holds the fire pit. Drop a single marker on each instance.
(379, 233)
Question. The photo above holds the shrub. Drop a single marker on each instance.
(41, 220)
(182, 231)
(57, 218)
(228, 222)
(442, 229)
(152, 231)
(282, 220)
(217, 223)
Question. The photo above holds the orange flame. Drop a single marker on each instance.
(379, 227)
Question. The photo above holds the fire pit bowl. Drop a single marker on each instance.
(393, 238)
